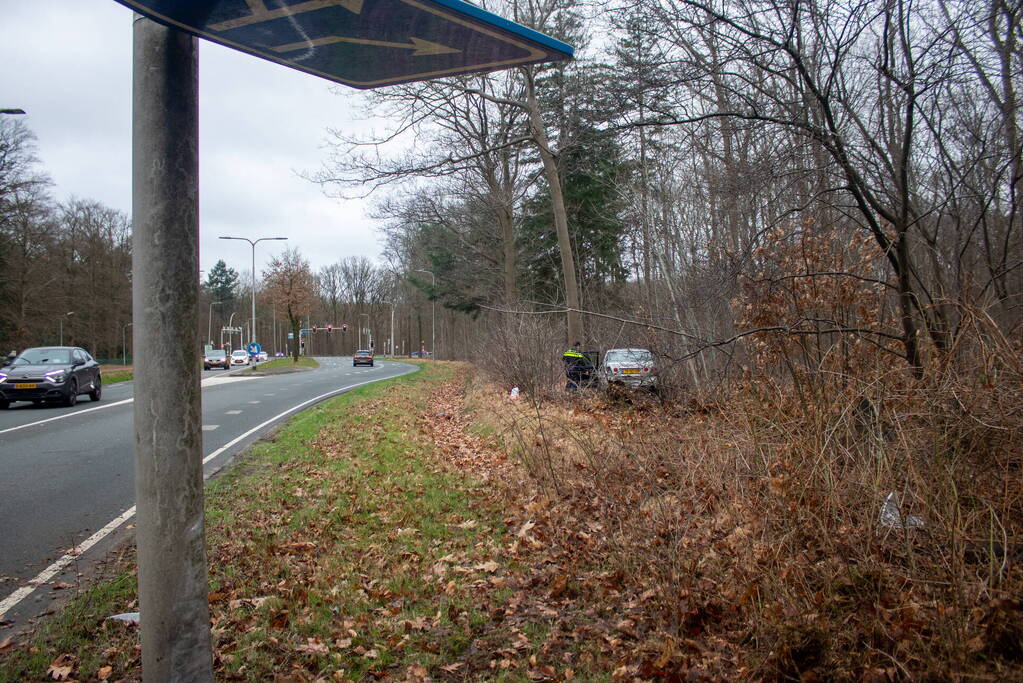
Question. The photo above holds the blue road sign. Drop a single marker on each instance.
(362, 43)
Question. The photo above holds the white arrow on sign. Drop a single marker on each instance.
(421, 47)
(260, 13)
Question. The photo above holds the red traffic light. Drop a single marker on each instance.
(344, 327)
(314, 328)
(330, 328)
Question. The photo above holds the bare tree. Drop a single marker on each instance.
(292, 287)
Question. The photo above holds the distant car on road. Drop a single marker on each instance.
(419, 354)
(50, 373)
(362, 357)
(239, 357)
(262, 356)
(629, 367)
(216, 358)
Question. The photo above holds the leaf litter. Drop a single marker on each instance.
(406, 546)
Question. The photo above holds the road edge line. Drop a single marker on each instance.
(15, 598)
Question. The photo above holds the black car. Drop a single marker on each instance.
(362, 357)
(216, 358)
(50, 373)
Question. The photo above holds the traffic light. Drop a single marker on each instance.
(344, 327)
(314, 328)
(330, 328)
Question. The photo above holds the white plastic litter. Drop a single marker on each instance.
(891, 515)
(131, 617)
(514, 392)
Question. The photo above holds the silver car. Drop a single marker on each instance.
(629, 367)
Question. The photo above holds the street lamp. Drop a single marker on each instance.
(392, 327)
(360, 330)
(433, 314)
(253, 243)
(124, 344)
(230, 327)
(209, 327)
(69, 313)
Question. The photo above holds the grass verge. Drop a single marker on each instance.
(112, 374)
(284, 365)
(341, 549)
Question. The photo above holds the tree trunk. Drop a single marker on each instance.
(550, 167)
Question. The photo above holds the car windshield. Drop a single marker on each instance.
(216, 354)
(239, 353)
(44, 357)
(629, 356)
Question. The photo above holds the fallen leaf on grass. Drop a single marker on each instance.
(6, 643)
(417, 672)
(313, 647)
(104, 672)
(61, 667)
(525, 529)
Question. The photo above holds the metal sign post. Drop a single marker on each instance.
(170, 533)
(361, 43)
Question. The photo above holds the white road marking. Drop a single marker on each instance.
(205, 382)
(233, 412)
(253, 402)
(17, 596)
(209, 428)
(225, 379)
(66, 415)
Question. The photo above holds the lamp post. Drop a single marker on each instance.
(230, 327)
(392, 327)
(209, 327)
(360, 329)
(433, 314)
(69, 313)
(253, 243)
(124, 344)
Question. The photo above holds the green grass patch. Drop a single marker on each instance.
(284, 364)
(81, 628)
(115, 376)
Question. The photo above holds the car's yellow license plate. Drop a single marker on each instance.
(631, 371)
(25, 385)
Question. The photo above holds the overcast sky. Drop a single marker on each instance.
(68, 64)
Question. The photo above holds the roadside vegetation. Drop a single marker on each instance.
(435, 528)
(284, 365)
(112, 374)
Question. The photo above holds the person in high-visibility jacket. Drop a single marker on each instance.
(577, 367)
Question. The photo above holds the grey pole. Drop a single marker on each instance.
(392, 328)
(209, 326)
(433, 315)
(172, 574)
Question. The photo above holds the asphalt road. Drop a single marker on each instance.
(67, 473)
